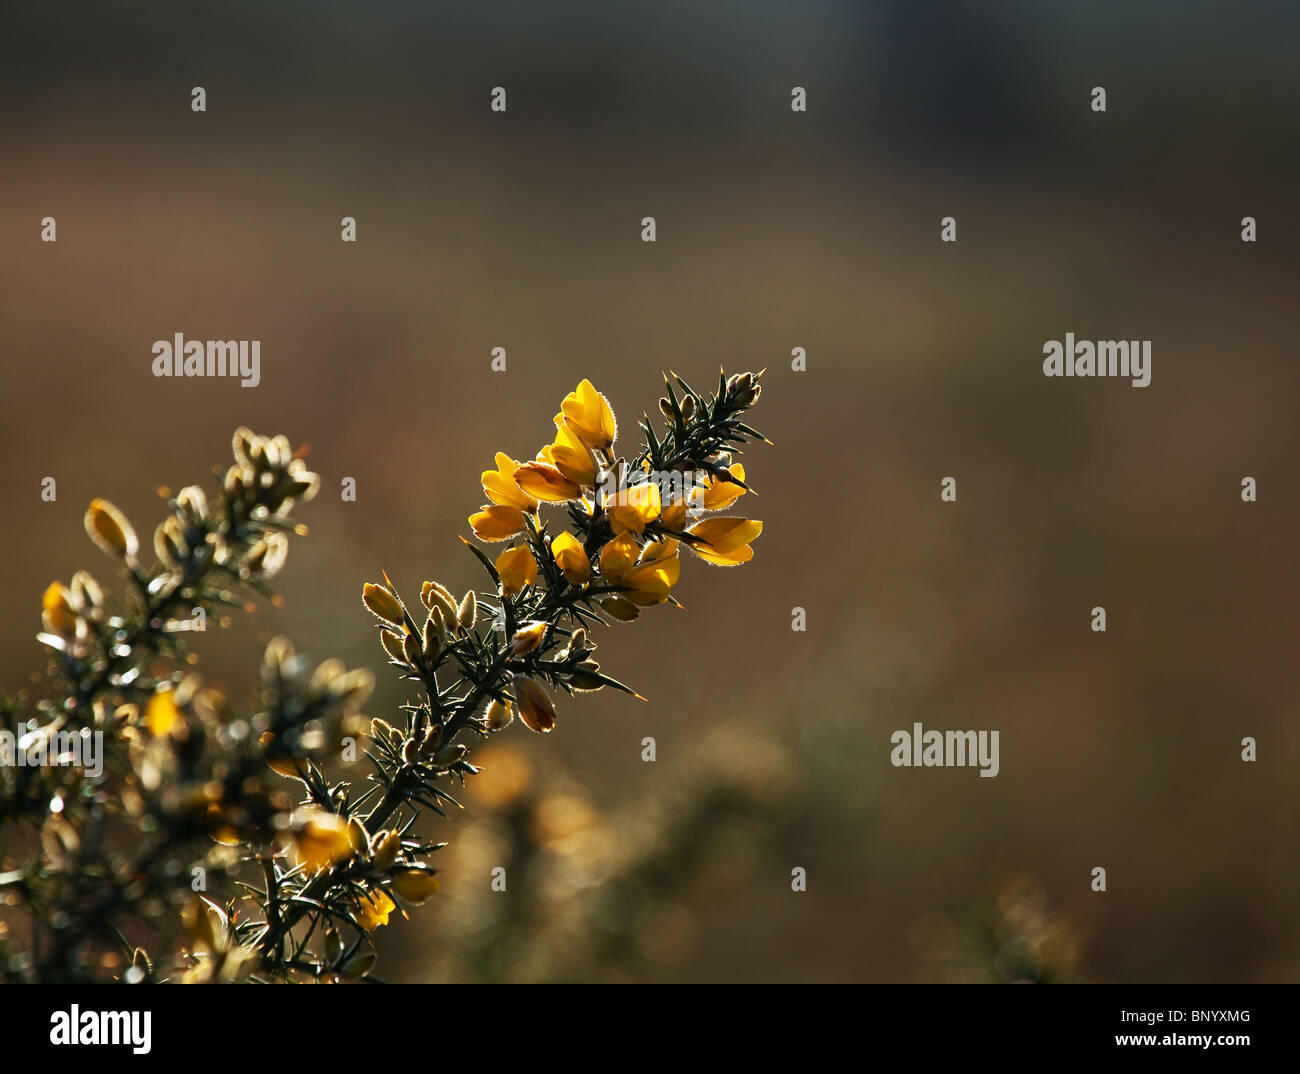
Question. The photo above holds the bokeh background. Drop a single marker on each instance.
(775, 230)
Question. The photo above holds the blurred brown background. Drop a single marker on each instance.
(775, 230)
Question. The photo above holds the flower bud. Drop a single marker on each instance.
(359, 965)
(439, 596)
(411, 650)
(109, 529)
(467, 613)
(620, 608)
(394, 643)
(499, 715)
(449, 755)
(535, 708)
(527, 638)
(383, 604)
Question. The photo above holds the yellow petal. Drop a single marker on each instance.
(372, 910)
(727, 533)
(414, 885)
(498, 522)
(651, 582)
(571, 558)
(546, 483)
(503, 489)
(630, 509)
(571, 456)
(588, 415)
(321, 839)
(719, 494)
(162, 716)
(673, 517)
(617, 557)
(516, 569)
(57, 608)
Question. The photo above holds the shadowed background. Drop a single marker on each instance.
(775, 230)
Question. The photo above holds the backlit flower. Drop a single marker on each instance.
(718, 494)
(502, 487)
(372, 910)
(571, 456)
(498, 522)
(631, 508)
(725, 541)
(588, 415)
(516, 569)
(571, 558)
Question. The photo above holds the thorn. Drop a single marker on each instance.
(387, 581)
(639, 697)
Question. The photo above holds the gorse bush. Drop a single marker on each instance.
(150, 830)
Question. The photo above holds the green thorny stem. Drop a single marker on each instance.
(201, 775)
(700, 434)
(162, 793)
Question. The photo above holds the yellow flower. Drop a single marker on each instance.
(535, 708)
(58, 616)
(516, 568)
(527, 638)
(617, 558)
(498, 522)
(546, 482)
(673, 517)
(655, 575)
(589, 417)
(413, 884)
(501, 485)
(321, 839)
(387, 846)
(571, 558)
(725, 541)
(719, 494)
(162, 716)
(372, 910)
(571, 456)
(631, 508)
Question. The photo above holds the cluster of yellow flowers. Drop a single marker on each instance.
(633, 535)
